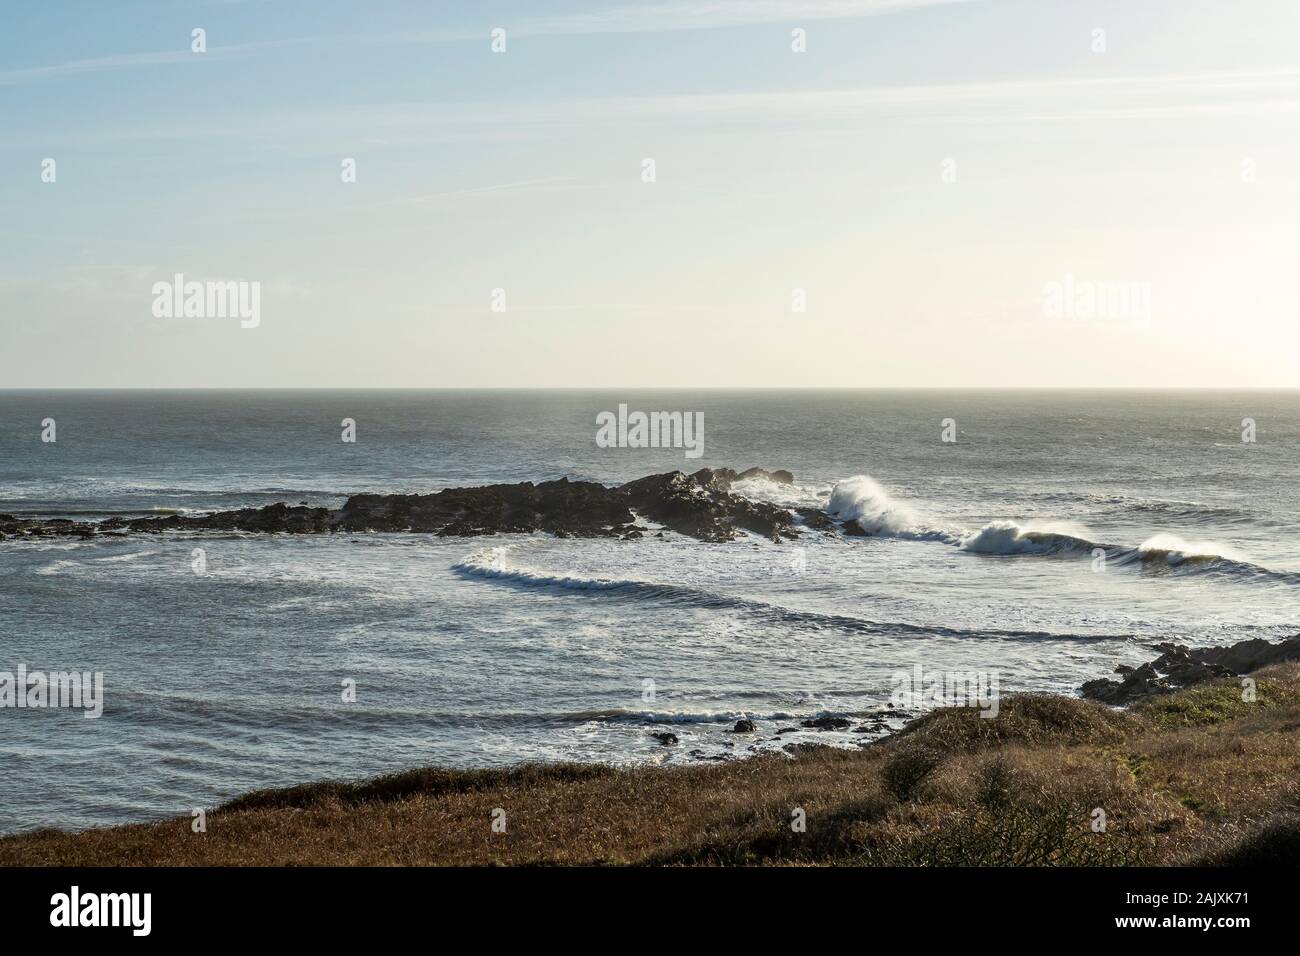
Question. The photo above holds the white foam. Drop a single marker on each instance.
(1179, 549)
(862, 499)
(495, 563)
(1008, 537)
(786, 496)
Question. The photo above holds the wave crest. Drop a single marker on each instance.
(862, 499)
(1007, 537)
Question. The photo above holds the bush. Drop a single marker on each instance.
(993, 787)
(906, 769)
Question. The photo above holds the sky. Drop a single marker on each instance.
(844, 193)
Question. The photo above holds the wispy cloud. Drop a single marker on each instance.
(711, 15)
(1115, 97)
(1137, 96)
(678, 15)
(125, 61)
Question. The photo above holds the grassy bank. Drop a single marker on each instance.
(1192, 777)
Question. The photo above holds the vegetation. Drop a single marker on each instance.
(1198, 776)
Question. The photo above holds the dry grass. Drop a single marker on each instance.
(1197, 776)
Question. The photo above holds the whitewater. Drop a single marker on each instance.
(1062, 535)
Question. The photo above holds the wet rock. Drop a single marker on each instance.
(665, 738)
(828, 723)
(816, 519)
(700, 506)
(743, 726)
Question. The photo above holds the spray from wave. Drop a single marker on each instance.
(862, 499)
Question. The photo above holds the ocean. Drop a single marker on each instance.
(488, 651)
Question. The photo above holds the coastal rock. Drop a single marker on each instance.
(579, 508)
(743, 726)
(817, 520)
(1246, 656)
(829, 723)
(699, 506)
(665, 738)
(1178, 667)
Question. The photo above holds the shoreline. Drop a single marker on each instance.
(1193, 775)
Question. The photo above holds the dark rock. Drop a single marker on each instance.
(1178, 667)
(699, 505)
(801, 748)
(816, 519)
(780, 477)
(787, 730)
(743, 726)
(1246, 656)
(828, 723)
(854, 530)
(665, 738)
(580, 508)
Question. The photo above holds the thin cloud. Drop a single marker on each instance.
(125, 61)
(650, 18)
(713, 15)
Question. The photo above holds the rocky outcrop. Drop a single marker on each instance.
(699, 505)
(1179, 666)
(578, 508)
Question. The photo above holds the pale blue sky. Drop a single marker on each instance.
(1170, 160)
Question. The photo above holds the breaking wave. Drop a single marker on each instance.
(1008, 537)
(863, 499)
(494, 564)
(1159, 551)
